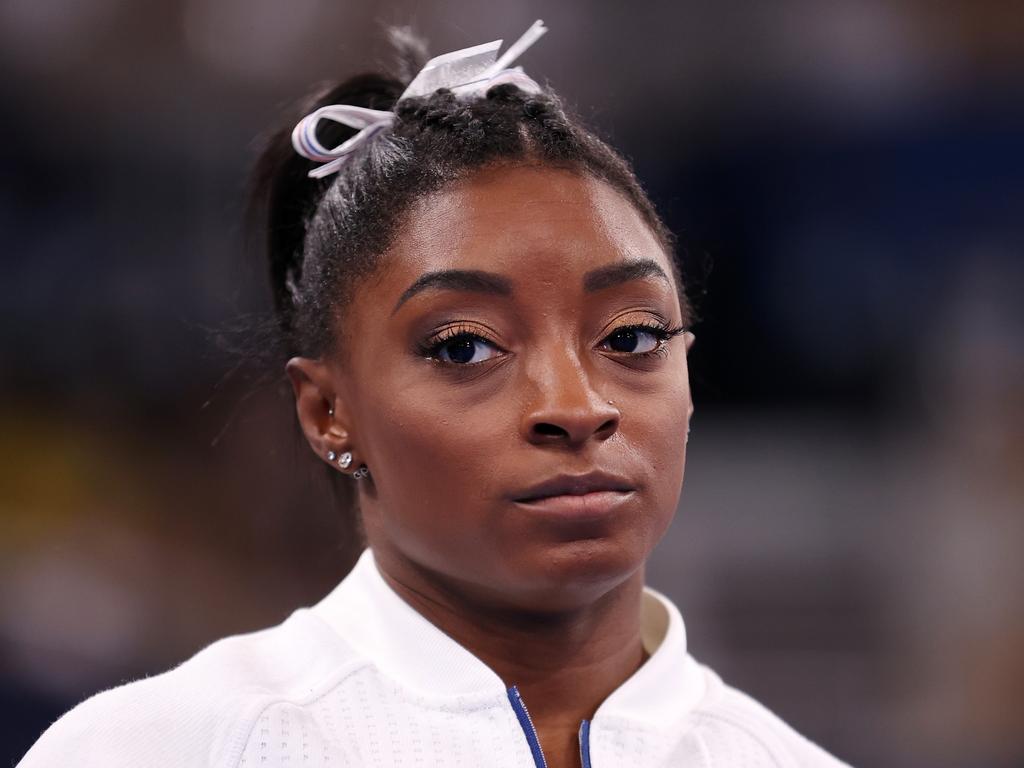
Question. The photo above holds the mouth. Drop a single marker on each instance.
(591, 488)
(578, 505)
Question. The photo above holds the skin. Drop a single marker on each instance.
(551, 605)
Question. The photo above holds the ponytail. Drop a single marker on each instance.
(283, 198)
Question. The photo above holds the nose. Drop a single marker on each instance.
(566, 407)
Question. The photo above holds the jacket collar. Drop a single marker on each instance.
(371, 617)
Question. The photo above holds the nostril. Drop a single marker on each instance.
(549, 429)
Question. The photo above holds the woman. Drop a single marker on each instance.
(487, 332)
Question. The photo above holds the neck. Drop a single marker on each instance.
(564, 664)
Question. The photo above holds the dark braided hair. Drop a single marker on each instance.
(325, 235)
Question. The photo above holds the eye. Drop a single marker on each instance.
(641, 340)
(455, 346)
(463, 349)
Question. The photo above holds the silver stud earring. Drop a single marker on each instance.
(362, 472)
(345, 460)
(331, 411)
(331, 455)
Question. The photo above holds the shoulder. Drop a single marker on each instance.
(199, 713)
(732, 723)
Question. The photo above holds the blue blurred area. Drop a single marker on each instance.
(835, 248)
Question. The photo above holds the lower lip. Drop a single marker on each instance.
(584, 505)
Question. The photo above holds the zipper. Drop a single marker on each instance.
(519, 707)
(523, 715)
(585, 744)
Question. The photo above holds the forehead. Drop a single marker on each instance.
(531, 223)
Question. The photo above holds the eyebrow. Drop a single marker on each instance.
(480, 281)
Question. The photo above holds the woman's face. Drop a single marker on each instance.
(461, 392)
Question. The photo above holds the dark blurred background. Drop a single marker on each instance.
(848, 178)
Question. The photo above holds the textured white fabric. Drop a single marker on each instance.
(362, 679)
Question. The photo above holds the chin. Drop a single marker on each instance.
(573, 574)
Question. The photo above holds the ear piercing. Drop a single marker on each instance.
(344, 460)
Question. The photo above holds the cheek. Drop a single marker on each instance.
(434, 465)
(659, 438)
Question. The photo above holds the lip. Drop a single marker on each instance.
(577, 505)
(594, 483)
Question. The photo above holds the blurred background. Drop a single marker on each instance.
(848, 178)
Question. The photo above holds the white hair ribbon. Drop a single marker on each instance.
(466, 72)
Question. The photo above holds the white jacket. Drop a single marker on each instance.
(362, 679)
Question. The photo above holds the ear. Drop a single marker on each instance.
(315, 398)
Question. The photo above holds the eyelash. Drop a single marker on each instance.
(662, 333)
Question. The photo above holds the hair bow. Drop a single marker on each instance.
(469, 71)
